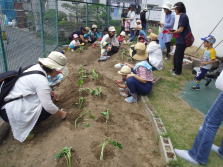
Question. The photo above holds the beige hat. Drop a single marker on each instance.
(153, 36)
(138, 51)
(87, 28)
(122, 33)
(125, 70)
(167, 5)
(112, 28)
(94, 26)
(56, 61)
(138, 21)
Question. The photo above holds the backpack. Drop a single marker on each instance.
(189, 39)
(8, 80)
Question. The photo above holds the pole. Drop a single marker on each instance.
(3, 52)
(42, 29)
(57, 30)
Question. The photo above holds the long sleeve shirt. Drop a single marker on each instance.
(23, 113)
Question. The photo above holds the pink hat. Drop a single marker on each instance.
(75, 36)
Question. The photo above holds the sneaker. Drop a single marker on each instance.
(123, 94)
(121, 89)
(208, 81)
(131, 99)
(185, 155)
(216, 149)
(173, 73)
(196, 87)
(103, 58)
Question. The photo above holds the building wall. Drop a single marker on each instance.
(204, 16)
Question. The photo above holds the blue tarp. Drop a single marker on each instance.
(7, 8)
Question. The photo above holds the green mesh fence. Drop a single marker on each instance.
(28, 30)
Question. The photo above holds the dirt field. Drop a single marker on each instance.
(128, 124)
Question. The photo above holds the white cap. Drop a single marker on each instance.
(122, 33)
(112, 28)
(167, 5)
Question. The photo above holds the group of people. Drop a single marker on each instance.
(36, 102)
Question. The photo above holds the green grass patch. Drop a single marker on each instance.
(181, 121)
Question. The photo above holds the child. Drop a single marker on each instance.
(121, 37)
(155, 53)
(125, 70)
(209, 57)
(74, 44)
(105, 48)
(137, 28)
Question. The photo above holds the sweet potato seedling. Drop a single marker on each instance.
(82, 73)
(105, 143)
(65, 152)
(106, 115)
(96, 92)
(81, 102)
(94, 75)
(80, 82)
(81, 117)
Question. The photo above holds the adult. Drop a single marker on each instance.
(203, 143)
(123, 17)
(80, 33)
(94, 34)
(167, 25)
(143, 18)
(111, 39)
(132, 17)
(36, 104)
(182, 31)
(140, 81)
(137, 29)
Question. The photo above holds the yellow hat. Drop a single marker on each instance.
(125, 70)
(153, 36)
(138, 51)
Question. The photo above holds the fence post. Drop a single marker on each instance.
(57, 31)
(86, 15)
(42, 29)
(108, 15)
(3, 52)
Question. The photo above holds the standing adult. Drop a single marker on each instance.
(167, 25)
(143, 18)
(132, 17)
(32, 97)
(123, 17)
(182, 31)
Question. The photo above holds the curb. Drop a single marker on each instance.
(4, 129)
(165, 143)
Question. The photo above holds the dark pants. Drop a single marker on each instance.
(137, 87)
(43, 116)
(144, 25)
(202, 74)
(178, 58)
(167, 49)
(113, 50)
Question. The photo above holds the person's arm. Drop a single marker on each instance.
(171, 23)
(140, 79)
(179, 30)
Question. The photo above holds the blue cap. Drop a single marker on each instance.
(210, 38)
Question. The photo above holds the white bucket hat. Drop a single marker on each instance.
(94, 26)
(112, 28)
(56, 61)
(125, 70)
(122, 33)
(167, 5)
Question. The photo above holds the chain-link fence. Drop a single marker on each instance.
(28, 31)
(32, 28)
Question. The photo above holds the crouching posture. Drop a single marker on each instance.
(140, 81)
(29, 102)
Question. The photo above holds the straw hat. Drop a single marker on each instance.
(122, 33)
(153, 36)
(112, 28)
(167, 5)
(125, 70)
(94, 26)
(138, 21)
(87, 28)
(56, 61)
(138, 51)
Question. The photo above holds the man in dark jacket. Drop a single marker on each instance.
(143, 18)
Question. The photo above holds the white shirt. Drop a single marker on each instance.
(155, 55)
(113, 41)
(132, 16)
(24, 112)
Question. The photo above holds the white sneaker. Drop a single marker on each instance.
(123, 94)
(121, 89)
(216, 149)
(185, 155)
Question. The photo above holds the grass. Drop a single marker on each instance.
(181, 120)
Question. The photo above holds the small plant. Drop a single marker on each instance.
(94, 74)
(175, 163)
(106, 142)
(81, 116)
(124, 53)
(80, 49)
(81, 102)
(106, 115)
(165, 135)
(96, 92)
(65, 152)
(82, 73)
(80, 82)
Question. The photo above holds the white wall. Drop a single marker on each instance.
(203, 16)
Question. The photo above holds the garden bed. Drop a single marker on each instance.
(86, 128)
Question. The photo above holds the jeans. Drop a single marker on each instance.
(205, 137)
(178, 58)
(113, 50)
(132, 35)
(202, 74)
(137, 87)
